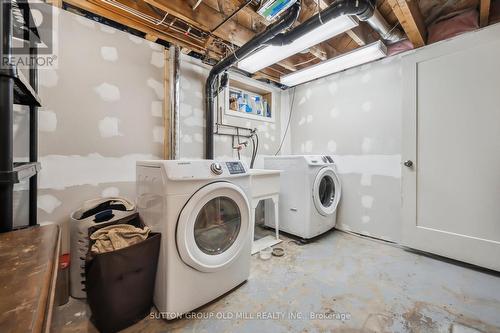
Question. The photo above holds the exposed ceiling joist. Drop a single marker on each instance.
(206, 18)
(190, 25)
(330, 50)
(288, 65)
(318, 51)
(55, 3)
(151, 37)
(385, 9)
(357, 34)
(134, 23)
(129, 7)
(360, 35)
(410, 17)
(197, 4)
(484, 12)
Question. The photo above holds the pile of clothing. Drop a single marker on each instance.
(117, 236)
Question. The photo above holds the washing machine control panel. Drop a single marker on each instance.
(235, 167)
(319, 159)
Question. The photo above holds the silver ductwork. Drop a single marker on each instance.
(389, 34)
(174, 132)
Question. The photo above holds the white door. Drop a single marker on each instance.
(451, 144)
(213, 227)
(326, 191)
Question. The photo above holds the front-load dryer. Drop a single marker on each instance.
(202, 210)
(309, 196)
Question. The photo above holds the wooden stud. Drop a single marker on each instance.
(410, 17)
(287, 64)
(151, 37)
(55, 3)
(484, 12)
(318, 53)
(330, 50)
(386, 10)
(360, 34)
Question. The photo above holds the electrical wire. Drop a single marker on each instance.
(319, 12)
(288, 123)
(164, 18)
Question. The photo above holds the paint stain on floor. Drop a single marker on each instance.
(339, 283)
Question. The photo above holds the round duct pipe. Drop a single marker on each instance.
(380, 25)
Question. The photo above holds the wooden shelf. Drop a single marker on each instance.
(28, 271)
(251, 90)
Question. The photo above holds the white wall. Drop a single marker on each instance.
(193, 76)
(356, 115)
(90, 136)
(103, 110)
(100, 114)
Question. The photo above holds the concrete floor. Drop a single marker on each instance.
(350, 284)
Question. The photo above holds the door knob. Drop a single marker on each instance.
(408, 163)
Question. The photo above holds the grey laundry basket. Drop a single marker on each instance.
(102, 211)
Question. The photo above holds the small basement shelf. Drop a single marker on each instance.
(22, 171)
(249, 101)
(18, 24)
(24, 94)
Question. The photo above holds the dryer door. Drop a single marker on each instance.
(326, 191)
(213, 227)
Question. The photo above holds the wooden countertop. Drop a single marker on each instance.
(28, 270)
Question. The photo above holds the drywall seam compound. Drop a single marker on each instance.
(59, 172)
(378, 165)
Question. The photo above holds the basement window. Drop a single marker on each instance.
(248, 101)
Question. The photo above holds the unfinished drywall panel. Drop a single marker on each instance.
(101, 107)
(192, 118)
(356, 117)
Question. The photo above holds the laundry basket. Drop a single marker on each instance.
(102, 212)
(120, 283)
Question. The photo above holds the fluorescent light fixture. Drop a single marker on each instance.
(347, 60)
(272, 54)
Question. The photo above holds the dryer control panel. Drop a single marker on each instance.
(319, 159)
(235, 167)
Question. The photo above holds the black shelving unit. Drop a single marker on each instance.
(16, 89)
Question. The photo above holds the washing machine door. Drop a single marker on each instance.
(214, 227)
(326, 191)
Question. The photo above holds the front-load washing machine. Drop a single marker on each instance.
(309, 196)
(202, 210)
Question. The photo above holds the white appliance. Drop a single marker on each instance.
(202, 210)
(309, 196)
